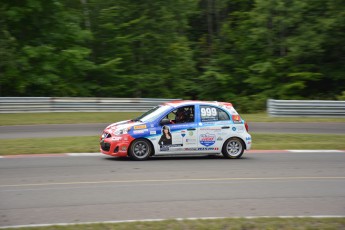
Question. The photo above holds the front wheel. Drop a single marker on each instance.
(140, 150)
(233, 148)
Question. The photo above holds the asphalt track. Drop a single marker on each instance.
(48, 189)
(37, 131)
(66, 189)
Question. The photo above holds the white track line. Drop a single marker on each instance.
(177, 219)
(316, 151)
(84, 154)
(175, 180)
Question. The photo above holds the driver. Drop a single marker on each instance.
(180, 116)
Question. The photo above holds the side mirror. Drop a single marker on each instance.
(165, 121)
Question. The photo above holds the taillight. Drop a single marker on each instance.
(246, 125)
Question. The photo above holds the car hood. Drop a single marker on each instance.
(123, 125)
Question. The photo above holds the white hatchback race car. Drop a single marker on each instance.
(179, 128)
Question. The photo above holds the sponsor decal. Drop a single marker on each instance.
(180, 126)
(178, 149)
(234, 129)
(207, 139)
(191, 133)
(168, 147)
(240, 129)
(209, 123)
(183, 133)
(116, 138)
(164, 148)
(190, 141)
(190, 149)
(153, 132)
(248, 138)
(176, 145)
(236, 117)
(140, 131)
(207, 149)
(211, 129)
(140, 127)
(219, 139)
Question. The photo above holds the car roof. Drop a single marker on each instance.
(177, 103)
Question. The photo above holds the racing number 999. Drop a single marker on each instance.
(208, 112)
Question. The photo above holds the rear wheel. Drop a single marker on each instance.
(233, 148)
(140, 150)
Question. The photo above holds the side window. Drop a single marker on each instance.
(223, 116)
(181, 115)
(209, 113)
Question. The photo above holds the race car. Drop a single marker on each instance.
(183, 127)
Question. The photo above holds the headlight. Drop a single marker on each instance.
(121, 131)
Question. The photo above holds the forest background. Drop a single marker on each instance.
(242, 51)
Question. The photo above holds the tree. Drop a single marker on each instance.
(48, 56)
(141, 48)
(278, 49)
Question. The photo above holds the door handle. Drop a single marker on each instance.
(225, 127)
(191, 129)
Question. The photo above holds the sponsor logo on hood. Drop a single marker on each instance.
(126, 125)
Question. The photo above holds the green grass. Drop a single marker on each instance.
(109, 117)
(79, 144)
(297, 141)
(215, 224)
(49, 145)
(64, 118)
(263, 117)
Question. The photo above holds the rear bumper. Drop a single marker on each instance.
(248, 141)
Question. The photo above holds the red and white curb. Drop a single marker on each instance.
(100, 154)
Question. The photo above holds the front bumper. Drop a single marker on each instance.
(115, 146)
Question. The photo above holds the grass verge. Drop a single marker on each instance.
(224, 224)
(297, 141)
(49, 145)
(109, 117)
(79, 144)
(64, 118)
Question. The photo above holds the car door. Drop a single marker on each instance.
(180, 134)
(214, 128)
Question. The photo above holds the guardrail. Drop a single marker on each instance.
(275, 108)
(76, 104)
(310, 108)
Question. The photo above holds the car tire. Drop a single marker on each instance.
(140, 150)
(233, 148)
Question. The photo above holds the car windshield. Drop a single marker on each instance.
(152, 113)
